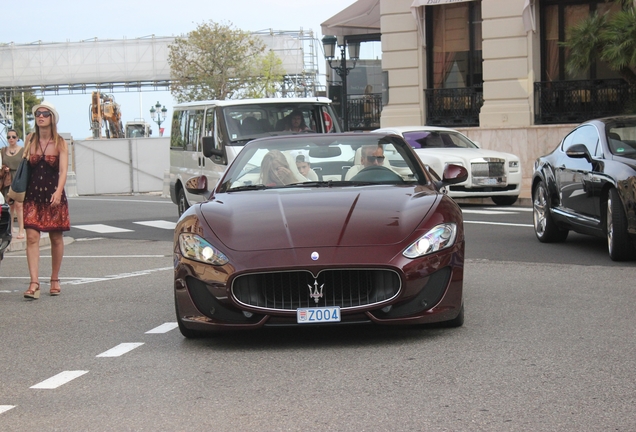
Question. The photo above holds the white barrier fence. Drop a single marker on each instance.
(118, 166)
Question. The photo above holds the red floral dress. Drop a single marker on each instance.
(38, 212)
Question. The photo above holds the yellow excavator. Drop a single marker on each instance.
(105, 111)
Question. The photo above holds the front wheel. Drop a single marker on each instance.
(182, 202)
(618, 241)
(545, 228)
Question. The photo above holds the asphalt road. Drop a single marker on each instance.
(548, 344)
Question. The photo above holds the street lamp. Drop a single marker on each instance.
(329, 44)
(158, 115)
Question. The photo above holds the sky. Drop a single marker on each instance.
(69, 20)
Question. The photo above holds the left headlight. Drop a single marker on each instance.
(440, 237)
(513, 165)
(199, 249)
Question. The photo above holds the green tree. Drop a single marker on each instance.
(266, 77)
(30, 100)
(215, 61)
(608, 37)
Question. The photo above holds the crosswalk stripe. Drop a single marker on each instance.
(159, 224)
(101, 228)
(59, 379)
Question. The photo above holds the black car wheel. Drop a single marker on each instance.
(545, 228)
(458, 321)
(504, 200)
(618, 241)
(182, 202)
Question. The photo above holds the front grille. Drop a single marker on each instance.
(488, 167)
(347, 288)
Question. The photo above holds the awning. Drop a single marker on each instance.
(362, 17)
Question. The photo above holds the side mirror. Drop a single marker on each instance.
(454, 174)
(579, 151)
(197, 185)
(209, 147)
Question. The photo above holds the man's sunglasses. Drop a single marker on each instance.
(11, 136)
(44, 114)
(372, 159)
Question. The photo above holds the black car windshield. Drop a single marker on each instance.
(621, 138)
(320, 161)
(437, 139)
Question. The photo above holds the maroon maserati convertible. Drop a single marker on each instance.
(314, 229)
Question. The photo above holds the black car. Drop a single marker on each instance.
(5, 228)
(588, 185)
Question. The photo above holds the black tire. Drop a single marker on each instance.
(545, 228)
(619, 242)
(458, 321)
(504, 200)
(182, 202)
(186, 332)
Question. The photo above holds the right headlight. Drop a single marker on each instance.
(436, 239)
(199, 249)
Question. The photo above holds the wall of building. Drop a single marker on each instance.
(402, 57)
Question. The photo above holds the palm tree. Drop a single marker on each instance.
(608, 38)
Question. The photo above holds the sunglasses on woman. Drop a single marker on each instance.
(44, 114)
(11, 137)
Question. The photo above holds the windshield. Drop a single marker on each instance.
(247, 122)
(323, 161)
(437, 139)
(621, 138)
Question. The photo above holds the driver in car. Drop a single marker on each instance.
(372, 156)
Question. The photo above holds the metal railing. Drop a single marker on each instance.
(364, 111)
(453, 106)
(577, 101)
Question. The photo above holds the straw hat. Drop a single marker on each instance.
(49, 106)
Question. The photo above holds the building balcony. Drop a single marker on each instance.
(558, 102)
(453, 107)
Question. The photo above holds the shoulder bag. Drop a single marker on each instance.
(20, 181)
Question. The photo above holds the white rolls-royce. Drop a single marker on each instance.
(491, 174)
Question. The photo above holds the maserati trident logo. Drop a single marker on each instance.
(315, 292)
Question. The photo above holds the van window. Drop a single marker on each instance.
(177, 136)
(195, 123)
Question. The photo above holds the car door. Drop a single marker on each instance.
(578, 178)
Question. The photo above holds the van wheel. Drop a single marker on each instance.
(182, 202)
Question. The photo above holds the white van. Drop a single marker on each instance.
(233, 123)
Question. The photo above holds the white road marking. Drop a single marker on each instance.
(120, 349)
(101, 228)
(59, 379)
(159, 224)
(163, 328)
(499, 223)
(81, 281)
(95, 256)
(122, 200)
(485, 212)
(5, 408)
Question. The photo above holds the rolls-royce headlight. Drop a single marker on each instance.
(513, 166)
(438, 238)
(196, 248)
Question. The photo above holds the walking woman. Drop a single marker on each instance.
(45, 206)
(11, 156)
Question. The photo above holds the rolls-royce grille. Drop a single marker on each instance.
(490, 167)
(295, 289)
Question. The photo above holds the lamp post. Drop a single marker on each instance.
(158, 115)
(329, 44)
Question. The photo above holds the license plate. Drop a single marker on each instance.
(318, 315)
(491, 181)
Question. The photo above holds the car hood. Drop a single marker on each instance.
(297, 218)
(461, 154)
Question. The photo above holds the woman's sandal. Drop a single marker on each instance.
(55, 291)
(33, 293)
